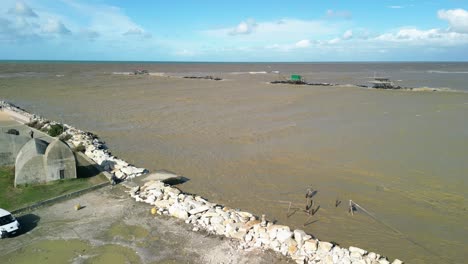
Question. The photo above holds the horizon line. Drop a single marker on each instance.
(259, 62)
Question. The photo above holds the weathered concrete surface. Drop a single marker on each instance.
(40, 162)
(59, 157)
(29, 165)
(10, 145)
(108, 217)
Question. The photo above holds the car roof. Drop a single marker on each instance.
(3, 212)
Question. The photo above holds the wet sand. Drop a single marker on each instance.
(256, 146)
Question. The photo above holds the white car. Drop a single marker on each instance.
(8, 224)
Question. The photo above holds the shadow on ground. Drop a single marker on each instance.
(28, 222)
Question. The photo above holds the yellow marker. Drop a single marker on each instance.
(153, 210)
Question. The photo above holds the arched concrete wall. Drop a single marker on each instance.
(59, 157)
(34, 147)
(10, 145)
(31, 171)
(39, 162)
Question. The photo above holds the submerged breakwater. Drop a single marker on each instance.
(250, 230)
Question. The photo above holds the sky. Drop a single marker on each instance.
(251, 31)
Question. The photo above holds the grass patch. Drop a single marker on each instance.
(13, 198)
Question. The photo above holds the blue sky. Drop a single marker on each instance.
(373, 30)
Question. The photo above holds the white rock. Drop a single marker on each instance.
(216, 220)
(199, 209)
(310, 246)
(358, 250)
(383, 261)
(397, 261)
(162, 203)
(283, 234)
(299, 237)
(355, 256)
(324, 246)
(345, 260)
(177, 211)
(119, 174)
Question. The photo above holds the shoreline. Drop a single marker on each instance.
(244, 227)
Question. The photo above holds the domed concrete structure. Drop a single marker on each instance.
(40, 162)
(10, 145)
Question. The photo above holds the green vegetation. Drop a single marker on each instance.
(55, 130)
(13, 198)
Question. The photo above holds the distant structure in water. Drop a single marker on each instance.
(383, 83)
(140, 72)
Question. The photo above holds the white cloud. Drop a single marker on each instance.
(305, 43)
(109, 22)
(21, 9)
(416, 36)
(348, 34)
(395, 7)
(334, 41)
(339, 14)
(244, 27)
(55, 27)
(276, 31)
(457, 19)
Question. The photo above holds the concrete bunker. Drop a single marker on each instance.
(41, 162)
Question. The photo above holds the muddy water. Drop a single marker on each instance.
(242, 142)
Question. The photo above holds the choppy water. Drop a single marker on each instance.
(243, 142)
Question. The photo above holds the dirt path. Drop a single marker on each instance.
(112, 228)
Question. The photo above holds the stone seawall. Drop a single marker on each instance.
(250, 230)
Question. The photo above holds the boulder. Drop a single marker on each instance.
(199, 209)
(310, 246)
(324, 246)
(299, 237)
(119, 174)
(357, 250)
(283, 234)
(383, 261)
(178, 211)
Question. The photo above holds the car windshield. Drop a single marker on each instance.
(5, 220)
